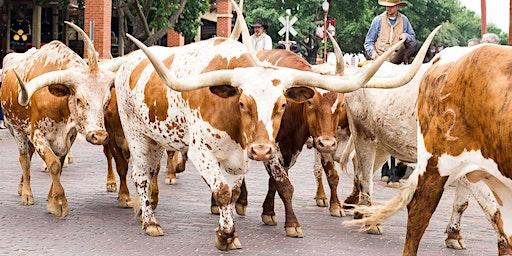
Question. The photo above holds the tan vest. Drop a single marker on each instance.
(388, 35)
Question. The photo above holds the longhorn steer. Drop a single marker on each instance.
(236, 118)
(461, 139)
(64, 96)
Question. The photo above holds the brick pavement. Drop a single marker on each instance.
(96, 226)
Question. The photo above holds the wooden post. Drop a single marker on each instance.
(8, 41)
(55, 23)
(122, 35)
(484, 16)
(36, 26)
(65, 37)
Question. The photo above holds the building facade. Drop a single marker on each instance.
(25, 25)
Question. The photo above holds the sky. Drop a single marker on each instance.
(497, 11)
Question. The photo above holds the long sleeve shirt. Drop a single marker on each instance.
(263, 42)
(373, 32)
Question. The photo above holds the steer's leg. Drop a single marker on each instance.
(225, 192)
(487, 202)
(333, 179)
(26, 150)
(175, 164)
(320, 198)
(57, 202)
(365, 158)
(111, 179)
(424, 202)
(241, 202)
(454, 240)
(284, 188)
(381, 156)
(268, 216)
(153, 174)
(146, 155)
(170, 178)
(123, 196)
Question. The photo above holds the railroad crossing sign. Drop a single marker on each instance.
(287, 29)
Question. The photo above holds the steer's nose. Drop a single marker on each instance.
(261, 152)
(325, 144)
(97, 137)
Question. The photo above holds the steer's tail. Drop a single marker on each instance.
(347, 153)
(378, 214)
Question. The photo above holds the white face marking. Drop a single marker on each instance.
(334, 106)
(257, 83)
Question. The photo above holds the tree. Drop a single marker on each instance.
(150, 19)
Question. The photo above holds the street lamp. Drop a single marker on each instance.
(325, 8)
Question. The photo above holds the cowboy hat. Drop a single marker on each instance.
(389, 3)
(259, 23)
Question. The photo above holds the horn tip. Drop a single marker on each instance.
(23, 99)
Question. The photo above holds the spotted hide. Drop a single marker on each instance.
(463, 136)
(62, 96)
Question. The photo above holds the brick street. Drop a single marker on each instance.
(97, 226)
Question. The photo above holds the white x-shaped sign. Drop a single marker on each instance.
(287, 23)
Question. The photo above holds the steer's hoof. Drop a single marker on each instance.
(294, 232)
(214, 210)
(374, 230)
(337, 211)
(111, 187)
(240, 209)
(393, 184)
(230, 244)
(170, 181)
(269, 219)
(455, 244)
(321, 202)
(27, 199)
(154, 230)
(58, 207)
(125, 201)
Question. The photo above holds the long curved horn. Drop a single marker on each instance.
(218, 77)
(55, 77)
(112, 64)
(339, 84)
(91, 53)
(340, 63)
(237, 29)
(401, 79)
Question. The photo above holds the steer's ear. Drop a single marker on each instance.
(224, 91)
(299, 94)
(59, 90)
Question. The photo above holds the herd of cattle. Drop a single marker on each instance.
(219, 104)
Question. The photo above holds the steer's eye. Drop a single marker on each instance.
(242, 105)
(283, 105)
(80, 103)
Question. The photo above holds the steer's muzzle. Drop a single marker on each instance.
(325, 144)
(97, 137)
(261, 151)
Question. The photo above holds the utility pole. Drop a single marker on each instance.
(510, 24)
